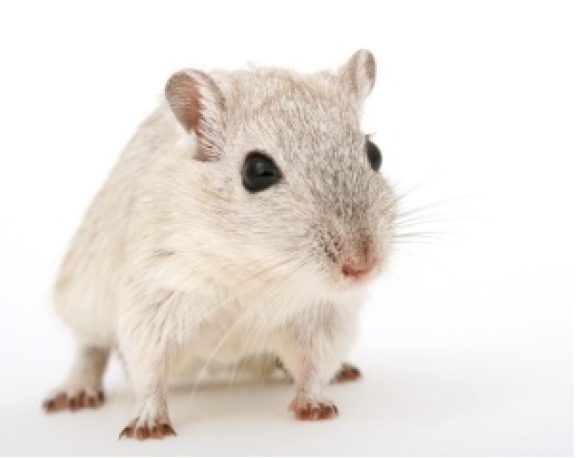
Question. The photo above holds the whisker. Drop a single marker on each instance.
(239, 320)
(251, 343)
(175, 340)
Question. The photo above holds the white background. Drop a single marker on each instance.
(466, 344)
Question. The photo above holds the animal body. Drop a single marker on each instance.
(242, 222)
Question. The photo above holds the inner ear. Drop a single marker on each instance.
(198, 105)
(184, 99)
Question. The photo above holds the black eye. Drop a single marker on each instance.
(259, 172)
(374, 156)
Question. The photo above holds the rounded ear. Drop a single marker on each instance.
(359, 74)
(199, 106)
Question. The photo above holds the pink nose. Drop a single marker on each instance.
(356, 270)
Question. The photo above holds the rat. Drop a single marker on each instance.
(244, 220)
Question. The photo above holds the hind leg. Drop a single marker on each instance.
(83, 386)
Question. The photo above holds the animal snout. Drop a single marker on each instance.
(359, 262)
(357, 269)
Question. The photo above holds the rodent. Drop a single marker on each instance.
(243, 220)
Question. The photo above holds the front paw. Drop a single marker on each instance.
(310, 409)
(73, 400)
(142, 430)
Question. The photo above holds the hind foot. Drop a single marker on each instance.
(347, 373)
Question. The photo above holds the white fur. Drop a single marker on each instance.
(176, 264)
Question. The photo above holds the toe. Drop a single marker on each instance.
(167, 430)
(156, 432)
(327, 411)
(56, 403)
(142, 433)
(128, 431)
(91, 402)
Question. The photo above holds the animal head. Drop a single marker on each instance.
(288, 179)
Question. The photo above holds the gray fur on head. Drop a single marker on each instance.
(330, 205)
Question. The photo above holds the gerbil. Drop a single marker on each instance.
(243, 221)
